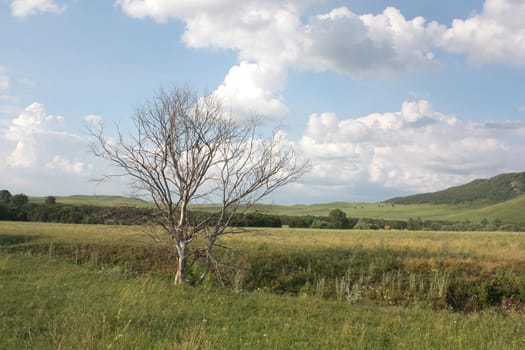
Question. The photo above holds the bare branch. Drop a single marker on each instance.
(186, 149)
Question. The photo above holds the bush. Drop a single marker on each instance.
(19, 199)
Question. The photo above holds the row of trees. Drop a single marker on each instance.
(466, 225)
(51, 211)
(17, 208)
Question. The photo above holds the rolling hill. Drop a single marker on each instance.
(501, 197)
(512, 211)
(497, 189)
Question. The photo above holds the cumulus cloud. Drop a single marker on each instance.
(35, 138)
(266, 34)
(26, 8)
(353, 45)
(271, 36)
(39, 157)
(496, 35)
(416, 148)
(250, 89)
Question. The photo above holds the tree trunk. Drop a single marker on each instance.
(180, 277)
(209, 246)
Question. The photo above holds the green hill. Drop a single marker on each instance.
(497, 189)
(105, 201)
(501, 197)
(511, 211)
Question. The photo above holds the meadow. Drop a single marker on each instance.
(109, 287)
(509, 211)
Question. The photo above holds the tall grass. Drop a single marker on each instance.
(461, 271)
(108, 287)
(50, 304)
(489, 246)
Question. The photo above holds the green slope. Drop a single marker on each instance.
(512, 211)
(105, 201)
(497, 189)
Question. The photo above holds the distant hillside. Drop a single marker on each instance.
(497, 189)
(104, 201)
(508, 212)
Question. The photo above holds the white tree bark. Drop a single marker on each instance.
(186, 149)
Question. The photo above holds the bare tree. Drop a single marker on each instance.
(185, 149)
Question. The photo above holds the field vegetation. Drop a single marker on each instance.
(508, 212)
(101, 286)
(99, 201)
(457, 215)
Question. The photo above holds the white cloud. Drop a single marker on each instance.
(266, 35)
(32, 120)
(93, 118)
(69, 166)
(36, 137)
(416, 149)
(353, 45)
(249, 89)
(39, 157)
(496, 35)
(25, 8)
(271, 36)
(162, 10)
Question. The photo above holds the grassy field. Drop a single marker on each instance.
(509, 212)
(52, 298)
(105, 201)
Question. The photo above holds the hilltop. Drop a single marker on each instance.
(495, 190)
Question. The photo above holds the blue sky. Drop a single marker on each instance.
(384, 97)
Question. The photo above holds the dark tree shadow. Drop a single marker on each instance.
(8, 240)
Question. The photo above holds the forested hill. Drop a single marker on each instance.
(494, 190)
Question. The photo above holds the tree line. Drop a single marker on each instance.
(18, 208)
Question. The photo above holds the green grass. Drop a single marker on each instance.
(39, 232)
(52, 300)
(50, 304)
(509, 212)
(105, 201)
(512, 211)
